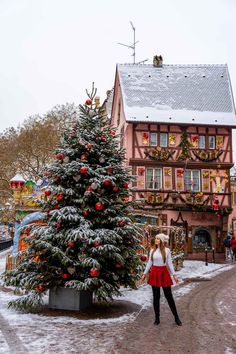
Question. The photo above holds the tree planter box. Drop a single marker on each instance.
(69, 299)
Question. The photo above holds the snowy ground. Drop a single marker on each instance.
(30, 327)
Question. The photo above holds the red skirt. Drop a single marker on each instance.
(159, 276)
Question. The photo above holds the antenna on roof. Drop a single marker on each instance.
(132, 46)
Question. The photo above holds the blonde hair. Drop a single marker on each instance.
(162, 250)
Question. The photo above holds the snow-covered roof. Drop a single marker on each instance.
(191, 94)
(17, 178)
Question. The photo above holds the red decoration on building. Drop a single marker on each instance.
(84, 169)
(71, 243)
(60, 197)
(88, 102)
(60, 156)
(125, 185)
(99, 206)
(94, 272)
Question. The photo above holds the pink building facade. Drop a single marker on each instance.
(176, 125)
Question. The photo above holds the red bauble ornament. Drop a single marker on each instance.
(96, 243)
(115, 188)
(125, 185)
(56, 179)
(60, 156)
(48, 192)
(121, 223)
(40, 287)
(118, 265)
(89, 189)
(99, 206)
(58, 225)
(89, 146)
(56, 206)
(60, 197)
(215, 206)
(83, 157)
(88, 102)
(143, 258)
(84, 169)
(106, 182)
(109, 169)
(218, 216)
(65, 276)
(94, 272)
(113, 132)
(85, 213)
(103, 138)
(71, 244)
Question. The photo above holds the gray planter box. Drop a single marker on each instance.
(69, 299)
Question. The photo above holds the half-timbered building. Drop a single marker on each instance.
(176, 125)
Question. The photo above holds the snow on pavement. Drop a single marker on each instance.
(42, 334)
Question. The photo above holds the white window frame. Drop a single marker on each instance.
(212, 142)
(165, 137)
(202, 142)
(153, 142)
(154, 178)
(193, 183)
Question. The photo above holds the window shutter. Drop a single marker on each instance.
(140, 177)
(206, 180)
(167, 178)
(145, 139)
(179, 179)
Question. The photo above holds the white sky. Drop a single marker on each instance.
(52, 50)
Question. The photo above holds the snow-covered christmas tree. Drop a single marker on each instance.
(88, 242)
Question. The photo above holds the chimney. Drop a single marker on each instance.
(157, 61)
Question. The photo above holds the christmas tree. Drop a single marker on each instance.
(88, 242)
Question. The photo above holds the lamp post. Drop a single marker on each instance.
(206, 263)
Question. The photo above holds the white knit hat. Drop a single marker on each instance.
(162, 237)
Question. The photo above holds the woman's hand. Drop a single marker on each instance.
(143, 278)
(176, 279)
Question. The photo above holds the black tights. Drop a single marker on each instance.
(169, 298)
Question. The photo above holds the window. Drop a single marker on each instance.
(212, 142)
(154, 178)
(163, 139)
(202, 142)
(192, 180)
(153, 139)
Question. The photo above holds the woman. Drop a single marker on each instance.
(159, 259)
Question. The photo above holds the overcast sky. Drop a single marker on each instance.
(52, 50)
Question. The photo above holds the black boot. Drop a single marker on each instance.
(157, 321)
(177, 321)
